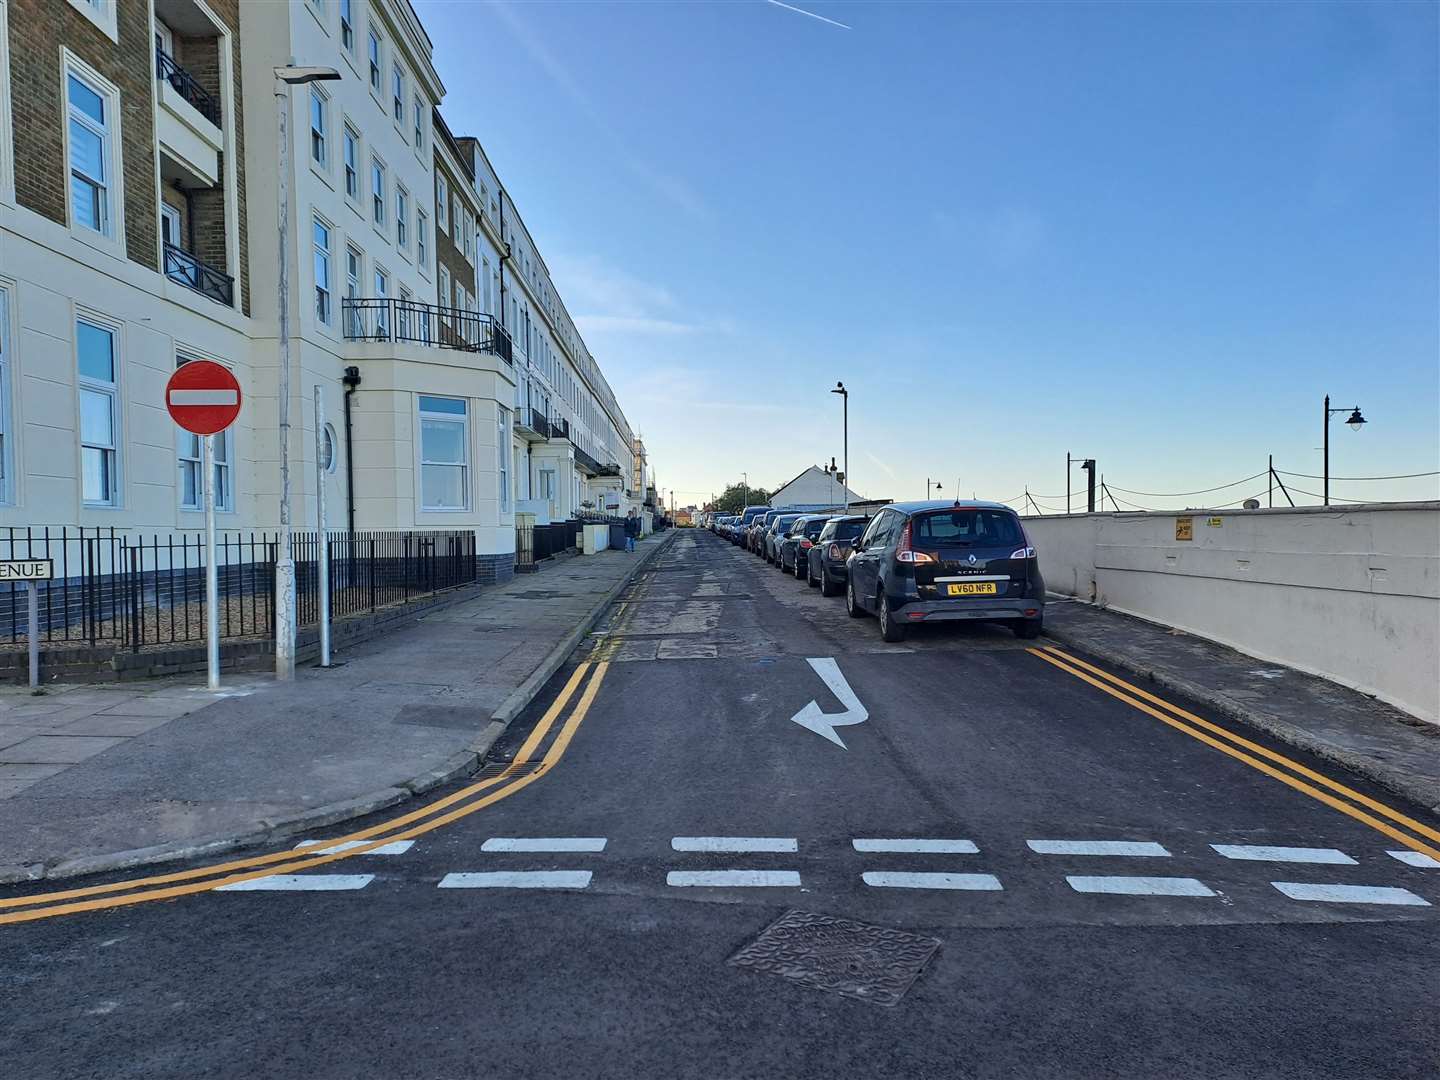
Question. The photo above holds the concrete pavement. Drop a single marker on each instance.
(101, 776)
(1105, 892)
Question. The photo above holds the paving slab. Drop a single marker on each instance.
(56, 749)
(1378, 741)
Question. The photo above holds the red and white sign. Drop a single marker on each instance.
(203, 397)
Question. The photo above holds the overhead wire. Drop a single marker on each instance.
(1402, 476)
(1183, 494)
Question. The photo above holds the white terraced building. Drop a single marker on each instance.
(138, 230)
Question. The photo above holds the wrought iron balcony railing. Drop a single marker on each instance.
(185, 268)
(387, 319)
(204, 102)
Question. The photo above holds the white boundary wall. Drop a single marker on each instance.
(1348, 593)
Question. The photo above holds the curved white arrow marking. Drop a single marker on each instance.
(825, 723)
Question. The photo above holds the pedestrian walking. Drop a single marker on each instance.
(632, 530)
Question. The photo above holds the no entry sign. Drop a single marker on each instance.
(203, 397)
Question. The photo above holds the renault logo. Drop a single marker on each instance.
(972, 560)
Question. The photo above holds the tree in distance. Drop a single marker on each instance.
(737, 496)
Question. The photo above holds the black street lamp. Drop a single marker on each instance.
(1088, 464)
(845, 456)
(928, 485)
(1353, 423)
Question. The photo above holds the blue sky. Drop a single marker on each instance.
(1155, 234)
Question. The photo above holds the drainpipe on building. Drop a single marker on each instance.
(352, 383)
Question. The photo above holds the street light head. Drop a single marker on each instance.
(1355, 420)
(295, 76)
(839, 389)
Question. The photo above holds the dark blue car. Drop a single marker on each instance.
(925, 562)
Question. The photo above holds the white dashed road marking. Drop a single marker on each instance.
(881, 879)
(734, 843)
(1415, 858)
(301, 883)
(518, 879)
(923, 847)
(1349, 894)
(1141, 886)
(745, 879)
(1097, 847)
(395, 847)
(1262, 853)
(544, 843)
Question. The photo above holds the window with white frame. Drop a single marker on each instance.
(404, 313)
(485, 284)
(99, 386)
(323, 294)
(352, 163)
(377, 191)
(373, 53)
(455, 213)
(397, 91)
(188, 453)
(444, 460)
(382, 311)
(444, 293)
(7, 468)
(354, 274)
(419, 123)
(442, 203)
(422, 240)
(101, 13)
(319, 127)
(91, 112)
(347, 25)
(502, 455)
(402, 217)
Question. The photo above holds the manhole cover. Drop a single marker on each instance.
(869, 963)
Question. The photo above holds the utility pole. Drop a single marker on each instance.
(285, 621)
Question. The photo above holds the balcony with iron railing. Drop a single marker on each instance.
(184, 84)
(388, 319)
(532, 423)
(185, 268)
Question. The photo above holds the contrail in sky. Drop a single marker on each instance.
(802, 11)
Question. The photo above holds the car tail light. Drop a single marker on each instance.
(905, 553)
(1023, 553)
(806, 545)
(834, 551)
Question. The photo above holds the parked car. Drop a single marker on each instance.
(795, 546)
(754, 539)
(934, 561)
(825, 560)
(747, 518)
(774, 533)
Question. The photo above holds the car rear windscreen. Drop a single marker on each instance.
(848, 530)
(966, 528)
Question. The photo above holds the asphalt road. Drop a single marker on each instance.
(669, 740)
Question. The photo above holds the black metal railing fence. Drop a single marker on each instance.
(132, 591)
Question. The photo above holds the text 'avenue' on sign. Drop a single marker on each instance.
(27, 569)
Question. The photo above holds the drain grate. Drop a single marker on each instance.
(495, 768)
(869, 963)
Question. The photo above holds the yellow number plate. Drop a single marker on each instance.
(971, 588)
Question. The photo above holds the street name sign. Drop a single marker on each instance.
(203, 397)
(27, 569)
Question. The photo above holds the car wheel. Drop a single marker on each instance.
(798, 574)
(890, 630)
(810, 574)
(827, 587)
(851, 607)
(1028, 629)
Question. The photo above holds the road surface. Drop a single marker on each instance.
(1055, 879)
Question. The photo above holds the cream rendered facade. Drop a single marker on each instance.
(361, 153)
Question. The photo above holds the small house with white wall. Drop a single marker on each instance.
(813, 489)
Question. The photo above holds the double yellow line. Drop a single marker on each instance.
(519, 774)
(1385, 819)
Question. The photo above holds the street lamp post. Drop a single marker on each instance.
(1353, 423)
(845, 446)
(285, 78)
(1088, 464)
(928, 485)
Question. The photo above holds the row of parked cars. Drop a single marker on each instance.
(907, 563)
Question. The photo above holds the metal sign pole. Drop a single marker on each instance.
(323, 549)
(33, 603)
(212, 573)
